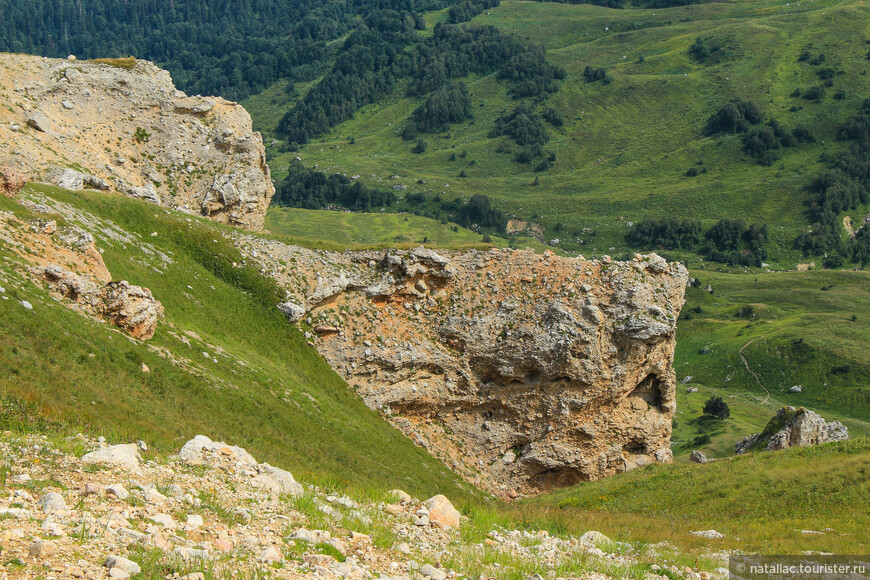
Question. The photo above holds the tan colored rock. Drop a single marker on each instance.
(196, 154)
(124, 456)
(442, 513)
(11, 181)
(522, 372)
(133, 308)
(794, 428)
(401, 496)
(42, 549)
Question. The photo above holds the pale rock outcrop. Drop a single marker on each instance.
(53, 503)
(120, 563)
(293, 312)
(201, 448)
(277, 481)
(793, 428)
(124, 456)
(442, 513)
(127, 128)
(698, 457)
(268, 479)
(132, 308)
(11, 181)
(523, 372)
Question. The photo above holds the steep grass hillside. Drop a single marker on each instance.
(625, 147)
(246, 376)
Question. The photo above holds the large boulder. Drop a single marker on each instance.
(276, 481)
(39, 121)
(133, 308)
(442, 513)
(11, 181)
(201, 447)
(793, 428)
(125, 456)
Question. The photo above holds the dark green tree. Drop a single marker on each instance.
(717, 408)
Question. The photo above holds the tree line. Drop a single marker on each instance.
(310, 189)
(843, 186)
(465, 11)
(385, 49)
(231, 48)
(730, 241)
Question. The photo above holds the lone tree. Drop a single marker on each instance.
(716, 407)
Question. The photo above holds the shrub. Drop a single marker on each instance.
(141, 135)
(717, 408)
(420, 147)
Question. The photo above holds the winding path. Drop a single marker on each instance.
(746, 364)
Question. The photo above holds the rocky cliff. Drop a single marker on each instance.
(121, 125)
(792, 427)
(523, 372)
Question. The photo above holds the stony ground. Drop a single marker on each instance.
(79, 508)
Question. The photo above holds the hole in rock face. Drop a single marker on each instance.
(635, 447)
(649, 389)
(558, 477)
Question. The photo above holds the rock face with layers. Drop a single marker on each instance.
(123, 126)
(792, 427)
(523, 372)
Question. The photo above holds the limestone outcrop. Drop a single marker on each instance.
(83, 282)
(523, 372)
(121, 125)
(792, 427)
(11, 181)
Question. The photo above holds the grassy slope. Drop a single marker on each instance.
(341, 230)
(761, 501)
(802, 335)
(625, 146)
(285, 405)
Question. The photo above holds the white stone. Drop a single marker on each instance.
(125, 456)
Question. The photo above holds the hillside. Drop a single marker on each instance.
(759, 502)
(260, 385)
(625, 147)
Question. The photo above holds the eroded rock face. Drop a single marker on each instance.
(523, 372)
(132, 308)
(129, 130)
(792, 427)
(11, 181)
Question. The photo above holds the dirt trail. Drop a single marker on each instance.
(746, 364)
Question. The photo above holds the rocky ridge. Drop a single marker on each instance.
(66, 261)
(522, 372)
(77, 507)
(792, 427)
(120, 124)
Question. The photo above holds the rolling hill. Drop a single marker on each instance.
(625, 148)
